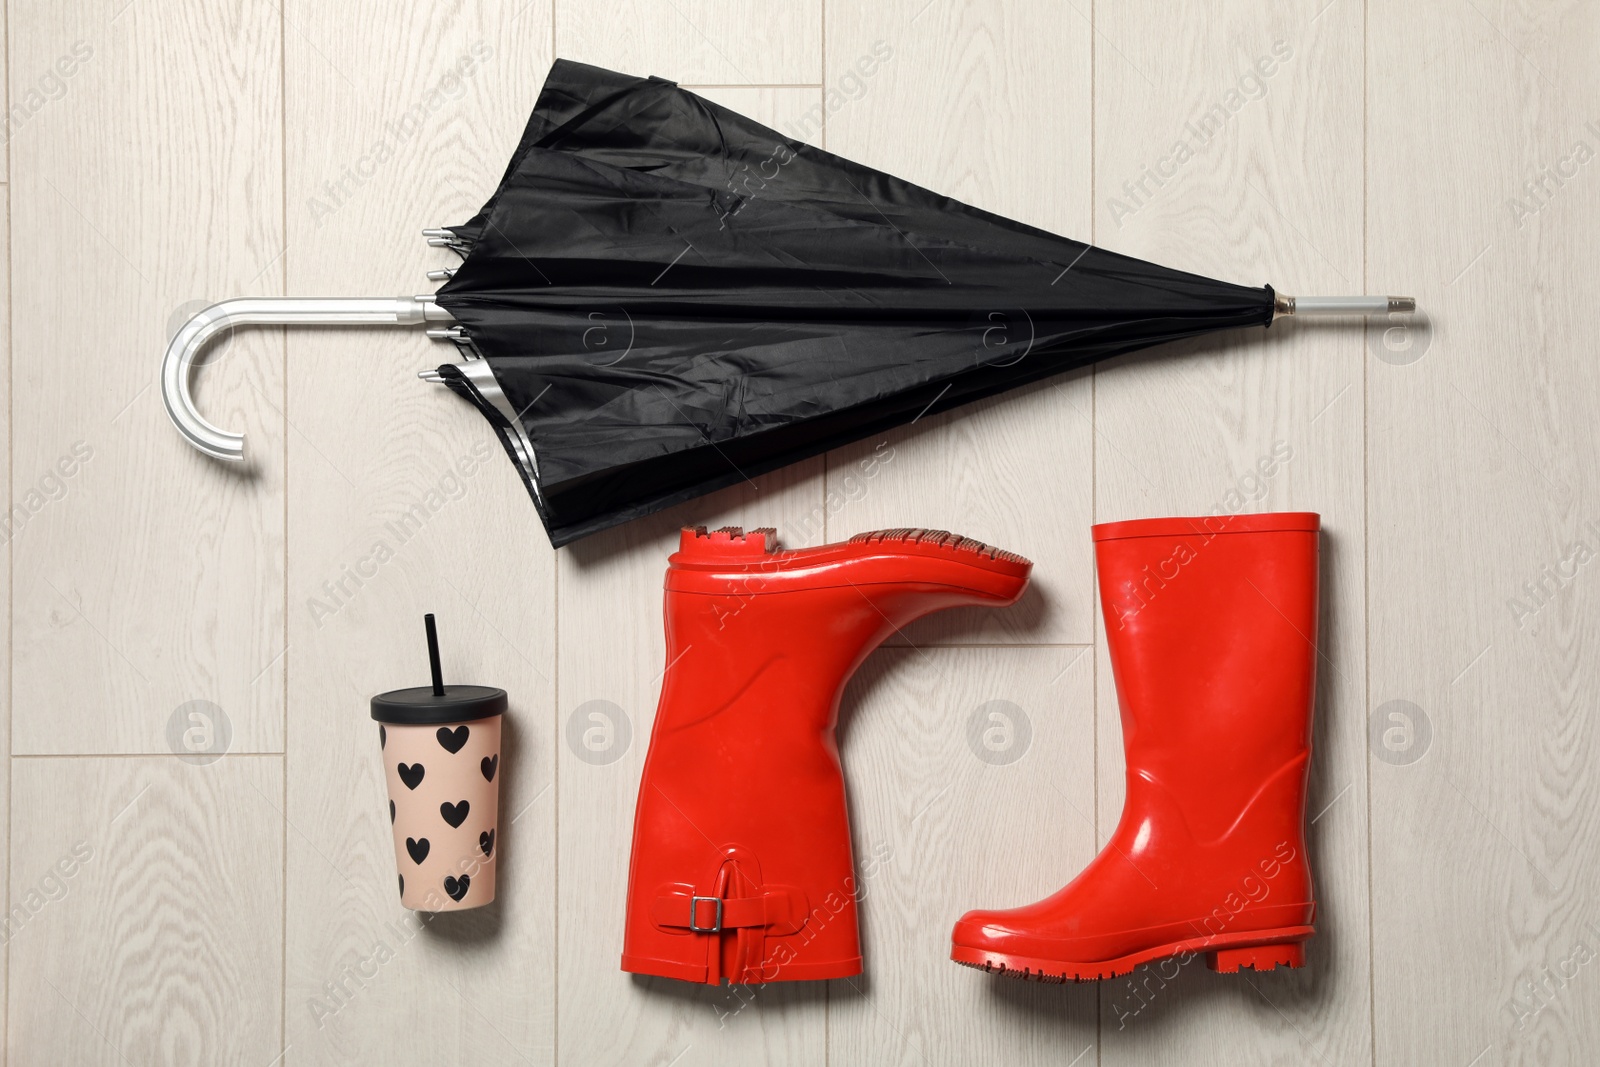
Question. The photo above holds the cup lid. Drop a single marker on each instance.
(421, 706)
(427, 705)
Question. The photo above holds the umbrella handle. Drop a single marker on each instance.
(178, 363)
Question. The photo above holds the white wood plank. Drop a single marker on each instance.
(1482, 466)
(5, 597)
(612, 650)
(989, 103)
(706, 42)
(154, 577)
(11, 125)
(153, 911)
(1254, 421)
(402, 502)
(939, 830)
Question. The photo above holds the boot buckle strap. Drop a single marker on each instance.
(780, 909)
(694, 913)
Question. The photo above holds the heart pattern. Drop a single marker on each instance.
(445, 845)
(452, 740)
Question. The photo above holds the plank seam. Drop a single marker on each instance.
(283, 769)
(11, 452)
(1366, 530)
(1094, 505)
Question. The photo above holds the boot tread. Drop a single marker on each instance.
(939, 538)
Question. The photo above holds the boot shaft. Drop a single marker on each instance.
(1211, 625)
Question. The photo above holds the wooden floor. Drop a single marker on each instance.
(168, 907)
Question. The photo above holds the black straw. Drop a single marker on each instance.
(433, 654)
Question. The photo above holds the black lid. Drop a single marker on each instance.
(423, 707)
(428, 705)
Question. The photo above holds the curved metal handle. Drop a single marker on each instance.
(178, 363)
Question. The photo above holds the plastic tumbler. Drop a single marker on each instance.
(441, 757)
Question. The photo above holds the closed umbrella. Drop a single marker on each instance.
(663, 298)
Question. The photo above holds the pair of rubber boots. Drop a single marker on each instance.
(742, 868)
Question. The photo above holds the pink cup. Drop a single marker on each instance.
(441, 759)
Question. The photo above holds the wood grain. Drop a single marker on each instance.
(154, 925)
(1244, 423)
(988, 103)
(5, 592)
(401, 502)
(971, 786)
(152, 183)
(12, 126)
(1481, 484)
(703, 42)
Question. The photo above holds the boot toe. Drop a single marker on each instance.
(986, 930)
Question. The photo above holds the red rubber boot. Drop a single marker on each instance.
(1212, 624)
(741, 863)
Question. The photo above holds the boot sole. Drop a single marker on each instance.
(1260, 950)
(744, 564)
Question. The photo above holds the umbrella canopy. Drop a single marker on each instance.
(674, 298)
(669, 298)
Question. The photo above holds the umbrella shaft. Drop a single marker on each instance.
(1342, 305)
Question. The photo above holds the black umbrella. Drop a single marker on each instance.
(663, 298)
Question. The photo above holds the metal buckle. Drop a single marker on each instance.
(694, 911)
